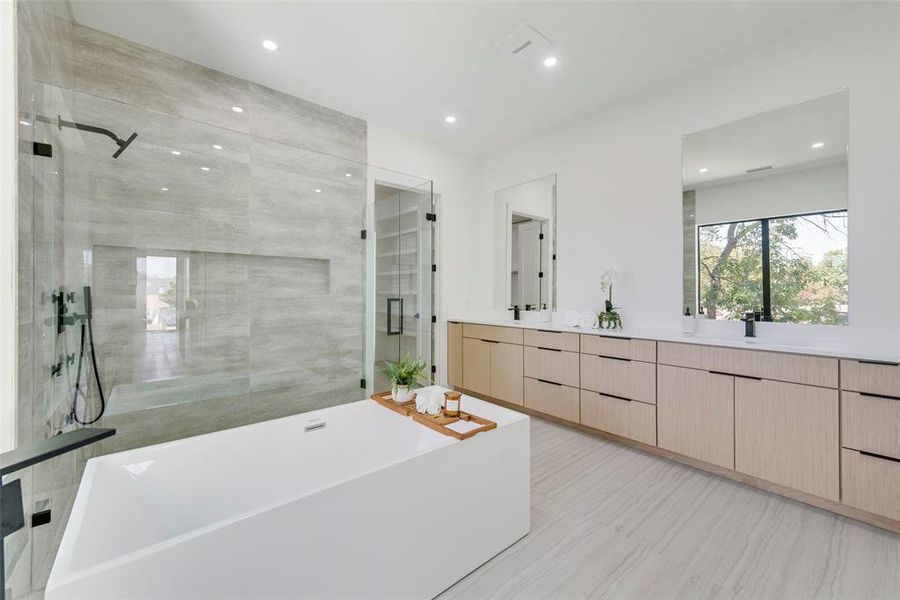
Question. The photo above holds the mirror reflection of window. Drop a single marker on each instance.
(765, 216)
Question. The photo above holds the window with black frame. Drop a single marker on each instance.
(789, 268)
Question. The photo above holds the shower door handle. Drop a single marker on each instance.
(390, 328)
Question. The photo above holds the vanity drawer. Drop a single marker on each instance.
(871, 483)
(556, 366)
(778, 366)
(630, 379)
(632, 420)
(644, 350)
(871, 376)
(557, 340)
(870, 423)
(510, 335)
(552, 399)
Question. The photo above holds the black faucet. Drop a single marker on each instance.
(517, 312)
(750, 324)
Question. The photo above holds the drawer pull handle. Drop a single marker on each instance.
(550, 382)
(882, 396)
(883, 363)
(616, 358)
(615, 337)
(549, 349)
(751, 377)
(490, 341)
(548, 331)
(881, 456)
(617, 397)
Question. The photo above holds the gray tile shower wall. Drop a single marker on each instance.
(254, 224)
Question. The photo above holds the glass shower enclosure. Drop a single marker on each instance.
(401, 220)
(204, 278)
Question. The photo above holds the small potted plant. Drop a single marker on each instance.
(403, 375)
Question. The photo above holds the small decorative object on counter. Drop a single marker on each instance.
(687, 321)
(451, 403)
(609, 318)
(403, 374)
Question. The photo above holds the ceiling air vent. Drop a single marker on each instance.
(522, 44)
(758, 169)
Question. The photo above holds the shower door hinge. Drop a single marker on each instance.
(433, 369)
(434, 268)
(540, 236)
(362, 234)
(362, 383)
(434, 318)
(41, 149)
(540, 273)
(431, 217)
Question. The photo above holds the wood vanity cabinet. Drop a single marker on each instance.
(870, 434)
(477, 365)
(870, 376)
(626, 418)
(828, 429)
(787, 433)
(695, 414)
(507, 374)
(454, 354)
(631, 379)
(490, 366)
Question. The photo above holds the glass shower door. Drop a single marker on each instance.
(403, 258)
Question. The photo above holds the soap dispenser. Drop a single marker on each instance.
(687, 321)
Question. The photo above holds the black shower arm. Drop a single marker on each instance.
(82, 127)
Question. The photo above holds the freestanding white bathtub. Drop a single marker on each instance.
(373, 505)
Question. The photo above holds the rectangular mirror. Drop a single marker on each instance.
(525, 245)
(764, 206)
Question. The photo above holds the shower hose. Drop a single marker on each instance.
(86, 325)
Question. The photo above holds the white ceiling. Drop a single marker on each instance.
(781, 138)
(406, 65)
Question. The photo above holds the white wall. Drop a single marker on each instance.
(795, 192)
(461, 278)
(619, 186)
(8, 157)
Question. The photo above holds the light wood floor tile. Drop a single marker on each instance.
(613, 522)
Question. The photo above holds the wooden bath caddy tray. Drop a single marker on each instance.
(437, 422)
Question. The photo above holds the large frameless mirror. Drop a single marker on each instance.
(765, 216)
(525, 245)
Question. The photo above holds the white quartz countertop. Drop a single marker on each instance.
(812, 347)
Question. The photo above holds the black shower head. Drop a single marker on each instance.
(124, 144)
(102, 131)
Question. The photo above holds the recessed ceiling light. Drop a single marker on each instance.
(703, 170)
(217, 146)
(818, 145)
(237, 109)
(204, 168)
(318, 191)
(165, 189)
(450, 119)
(176, 152)
(348, 174)
(25, 123)
(550, 61)
(270, 45)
